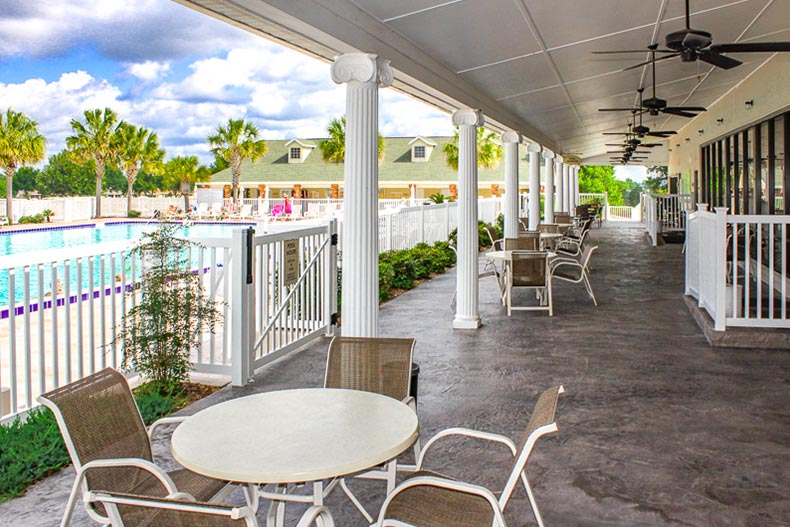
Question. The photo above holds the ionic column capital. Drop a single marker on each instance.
(534, 148)
(469, 117)
(548, 154)
(361, 67)
(511, 137)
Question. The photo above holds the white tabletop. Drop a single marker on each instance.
(544, 235)
(294, 435)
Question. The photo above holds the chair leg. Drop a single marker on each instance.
(589, 288)
(355, 501)
(532, 502)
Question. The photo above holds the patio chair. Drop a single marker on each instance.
(245, 213)
(570, 270)
(429, 498)
(563, 218)
(128, 510)
(523, 224)
(571, 246)
(377, 365)
(202, 211)
(548, 228)
(526, 241)
(529, 269)
(496, 243)
(110, 447)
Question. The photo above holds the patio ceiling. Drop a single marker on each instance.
(526, 63)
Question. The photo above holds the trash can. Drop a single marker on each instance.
(415, 378)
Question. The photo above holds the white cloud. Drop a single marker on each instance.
(637, 173)
(149, 70)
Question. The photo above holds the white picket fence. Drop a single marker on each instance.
(624, 213)
(737, 267)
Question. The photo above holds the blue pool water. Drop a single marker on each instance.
(18, 243)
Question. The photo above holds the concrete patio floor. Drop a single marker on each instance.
(656, 428)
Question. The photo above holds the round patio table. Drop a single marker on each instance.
(292, 436)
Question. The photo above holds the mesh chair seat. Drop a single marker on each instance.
(572, 273)
(429, 506)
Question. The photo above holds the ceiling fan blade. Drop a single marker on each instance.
(650, 145)
(720, 61)
(615, 133)
(754, 47)
(614, 144)
(679, 113)
(619, 109)
(661, 133)
(648, 62)
(688, 108)
(614, 51)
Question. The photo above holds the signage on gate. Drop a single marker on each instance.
(290, 262)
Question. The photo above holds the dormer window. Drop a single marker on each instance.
(297, 151)
(421, 149)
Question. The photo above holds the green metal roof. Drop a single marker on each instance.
(396, 166)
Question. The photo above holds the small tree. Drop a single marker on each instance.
(158, 333)
(333, 150)
(183, 172)
(138, 149)
(235, 142)
(20, 144)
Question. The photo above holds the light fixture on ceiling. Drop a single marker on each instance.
(700, 131)
(678, 145)
(688, 140)
(749, 104)
(720, 121)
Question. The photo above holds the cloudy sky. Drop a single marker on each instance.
(164, 66)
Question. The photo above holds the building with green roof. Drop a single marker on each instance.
(295, 168)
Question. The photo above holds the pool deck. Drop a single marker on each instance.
(656, 428)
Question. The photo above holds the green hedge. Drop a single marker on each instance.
(33, 449)
(401, 269)
(483, 241)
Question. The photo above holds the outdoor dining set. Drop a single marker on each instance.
(284, 446)
(533, 260)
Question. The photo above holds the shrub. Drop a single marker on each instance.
(403, 264)
(483, 241)
(386, 277)
(36, 218)
(31, 450)
(134, 213)
(155, 404)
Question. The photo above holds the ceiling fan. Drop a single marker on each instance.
(693, 44)
(654, 105)
(632, 137)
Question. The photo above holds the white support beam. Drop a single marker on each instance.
(362, 74)
(466, 314)
(548, 184)
(559, 167)
(534, 185)
(511, 140)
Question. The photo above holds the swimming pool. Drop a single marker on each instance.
(20, 243)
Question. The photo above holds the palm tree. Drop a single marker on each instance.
(20, 144)
(333, 150)
(95, 141)
(138, 149)
(183, 171)
(235, 142)
(489, 151)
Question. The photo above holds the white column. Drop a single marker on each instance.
(534, 185)
(576, 186)
(363, 74)
(548, 196)
(560, 168)
(511, 140)
(566, 188)
(466, 312)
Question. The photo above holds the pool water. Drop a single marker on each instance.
(18, 243)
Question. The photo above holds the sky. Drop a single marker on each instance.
(173, 70)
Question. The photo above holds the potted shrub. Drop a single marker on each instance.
(170, 315)
(47, 213)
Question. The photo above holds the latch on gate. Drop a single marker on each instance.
(333, 319)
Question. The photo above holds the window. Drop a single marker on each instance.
(419, 152)
(296, 153)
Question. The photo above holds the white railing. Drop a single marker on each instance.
(624, 213)
(64, 209)
(737, 267)
(404, 228)
(665, 213)
(146, 206)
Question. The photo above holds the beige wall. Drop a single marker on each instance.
(769, 87)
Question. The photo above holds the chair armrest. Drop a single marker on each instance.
(466, 432)
(560, 262)
(143, 464)
(164, 421)
(442, 483)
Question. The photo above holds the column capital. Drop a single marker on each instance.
(469, 117)
(534, 148)
(511, 137)
(548, 154)
(558, 159)
(361, 67)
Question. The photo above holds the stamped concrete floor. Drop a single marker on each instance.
(656, 428)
